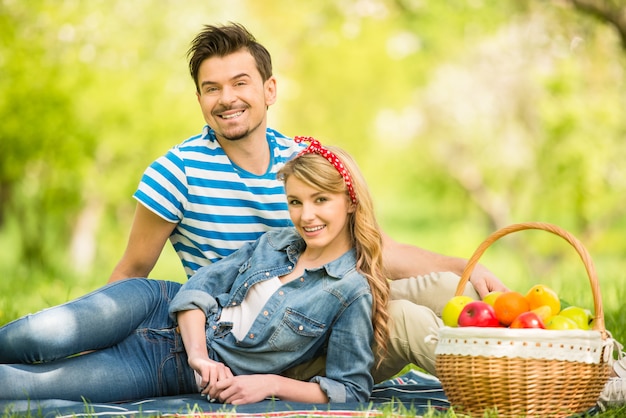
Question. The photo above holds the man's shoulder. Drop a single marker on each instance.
(202, 142)
(285, 145)
(273, 134)
(199, 147)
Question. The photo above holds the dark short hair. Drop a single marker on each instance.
(225, 40)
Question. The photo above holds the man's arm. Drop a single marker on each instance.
(148, 235)
(403, 261)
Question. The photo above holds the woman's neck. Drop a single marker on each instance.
(311, 259)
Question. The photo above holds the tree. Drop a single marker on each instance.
(612, 12)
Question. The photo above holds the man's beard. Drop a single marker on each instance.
(241, 135)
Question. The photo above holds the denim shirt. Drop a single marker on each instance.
(326, 311)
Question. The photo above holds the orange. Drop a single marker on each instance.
(541, 295)
(509, 305)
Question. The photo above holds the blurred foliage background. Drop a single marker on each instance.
(465, 116)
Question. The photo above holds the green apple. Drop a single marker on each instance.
(560, 322)
(491, 297)
(582, 317)
(452, 310)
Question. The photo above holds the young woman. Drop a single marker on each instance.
(291, 296)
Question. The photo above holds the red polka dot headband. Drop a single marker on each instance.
(315, 147)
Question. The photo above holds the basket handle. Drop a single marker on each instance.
(582, 251)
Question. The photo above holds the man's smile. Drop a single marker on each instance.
(231, 115)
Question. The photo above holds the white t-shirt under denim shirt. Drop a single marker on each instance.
(242, 316)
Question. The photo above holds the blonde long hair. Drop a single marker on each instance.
(316, 171)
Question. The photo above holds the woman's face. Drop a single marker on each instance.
(320, 217)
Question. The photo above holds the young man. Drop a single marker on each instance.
(218, 190)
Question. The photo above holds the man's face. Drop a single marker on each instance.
(233, 96)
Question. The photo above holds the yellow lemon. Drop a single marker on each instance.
(542, 295)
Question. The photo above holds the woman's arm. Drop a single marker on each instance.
(252, 388)
(209, 282)
(191, 325)
(349, 357)
(348, 364)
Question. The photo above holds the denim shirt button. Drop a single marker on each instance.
(289, 267)
(267, 273)
(245, 284)
(301, 279)
(281, 293)
(251, 335)
(214, 327)
(300, 328)
(266, 313)
(234, 303)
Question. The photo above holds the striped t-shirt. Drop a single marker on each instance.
(216, 205)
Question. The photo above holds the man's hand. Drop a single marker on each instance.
(484, 281)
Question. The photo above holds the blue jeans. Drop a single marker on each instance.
(134, 349)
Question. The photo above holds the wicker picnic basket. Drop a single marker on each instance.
(525, 372)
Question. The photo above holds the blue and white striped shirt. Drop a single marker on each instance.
(216, 205)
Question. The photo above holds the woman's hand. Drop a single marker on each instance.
(244, 389)
(211, 373)
(191, 325)
(239, 390)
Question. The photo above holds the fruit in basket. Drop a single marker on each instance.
(544, 312)
(582, 317)
(491, 297)
(542, 295)
(528, 319)
(478, 314)
(559, 322)
(452, 309)
(509, 305)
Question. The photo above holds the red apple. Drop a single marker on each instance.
(527, 320)
(478, 314)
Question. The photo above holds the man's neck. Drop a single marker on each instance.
(251, 154)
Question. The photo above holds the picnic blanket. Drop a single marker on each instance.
(409, 394)
(412, 393)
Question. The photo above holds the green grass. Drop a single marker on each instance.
(392, 410)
